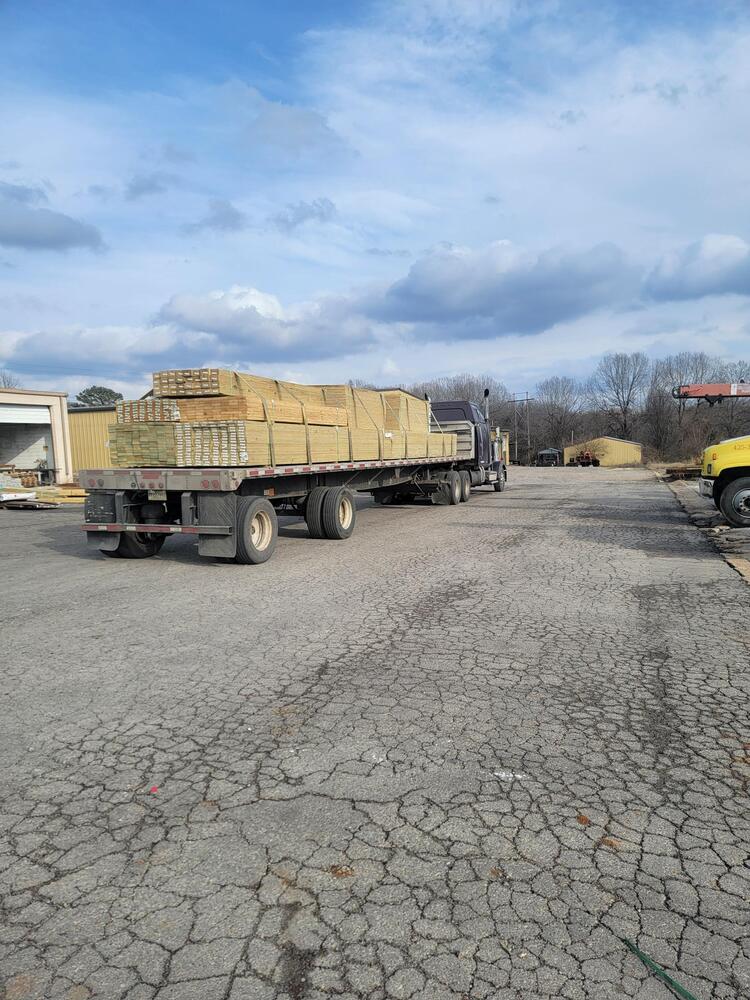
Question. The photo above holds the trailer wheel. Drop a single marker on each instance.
(135, 546)
(465, 485)
(339, 512)
(257, 530)
(734, 502)
(314, 511)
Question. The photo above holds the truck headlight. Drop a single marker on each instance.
(708, 469)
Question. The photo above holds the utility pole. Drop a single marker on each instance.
(520, 401)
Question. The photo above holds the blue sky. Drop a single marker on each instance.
(380, 190)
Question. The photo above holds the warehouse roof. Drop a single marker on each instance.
(75, 408)
(607, 437)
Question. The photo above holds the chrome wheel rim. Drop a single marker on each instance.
(741, 502)
(346, 512)
(261, 530)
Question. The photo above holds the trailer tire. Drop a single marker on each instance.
(734, 502)
(339, 512)
(257, 530)
(314, 511)
(465, 485)
(134, 546)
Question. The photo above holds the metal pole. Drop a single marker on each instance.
(515, 428)
(528, 430)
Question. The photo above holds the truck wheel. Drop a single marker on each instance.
(465, 485)
(257, 530)
(502, 476)
(453, 482)
(135, 546)
(339, 512)
(734, 502)
(314, 511)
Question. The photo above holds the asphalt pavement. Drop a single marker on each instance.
(463, 754)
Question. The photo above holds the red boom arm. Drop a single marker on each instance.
(713, 392)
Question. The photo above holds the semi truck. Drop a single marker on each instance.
(725, 466)
(233, 511)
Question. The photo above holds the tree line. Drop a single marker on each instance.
(626, 396)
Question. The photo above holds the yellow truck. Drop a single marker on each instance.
(725, 478)
(725, 468)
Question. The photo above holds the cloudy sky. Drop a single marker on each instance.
(381, 190)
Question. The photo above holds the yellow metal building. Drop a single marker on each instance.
(89, 436)
(610, 451)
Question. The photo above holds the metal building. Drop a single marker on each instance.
(610, 451)
(34, 434)
(89, 436)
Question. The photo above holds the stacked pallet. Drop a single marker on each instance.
(214, 417)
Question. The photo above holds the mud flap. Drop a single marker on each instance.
(105, 541)
(218, 508)
(442, 495)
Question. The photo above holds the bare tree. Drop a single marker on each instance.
(463, 386)
(617, 387)
(659, 412)
(686, 368)
(8, 380)
(558, 401)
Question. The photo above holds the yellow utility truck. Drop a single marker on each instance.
(725, 468)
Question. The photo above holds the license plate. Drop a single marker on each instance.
(157, 494)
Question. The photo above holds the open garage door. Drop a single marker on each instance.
(26, 437)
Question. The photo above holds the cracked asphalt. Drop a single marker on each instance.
(461, 755)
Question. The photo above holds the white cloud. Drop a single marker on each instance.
(503, 289)
(256, 324)
(567, 156)
(716, 265)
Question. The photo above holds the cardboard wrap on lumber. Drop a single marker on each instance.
(416, 444)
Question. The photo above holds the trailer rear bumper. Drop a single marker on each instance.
(164, 529)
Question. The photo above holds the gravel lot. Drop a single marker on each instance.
(459, 756)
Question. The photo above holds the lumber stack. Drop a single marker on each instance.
(215, 417)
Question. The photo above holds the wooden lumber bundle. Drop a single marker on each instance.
(142, 444)
(210, 408)
(403, 411)
(155, 408)
(214, 417)
(257, 443)
(195, 382)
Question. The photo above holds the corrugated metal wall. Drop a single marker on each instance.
(609, 451)
(89, 433)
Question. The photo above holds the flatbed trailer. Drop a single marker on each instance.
(234, 510)
(130, 512)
